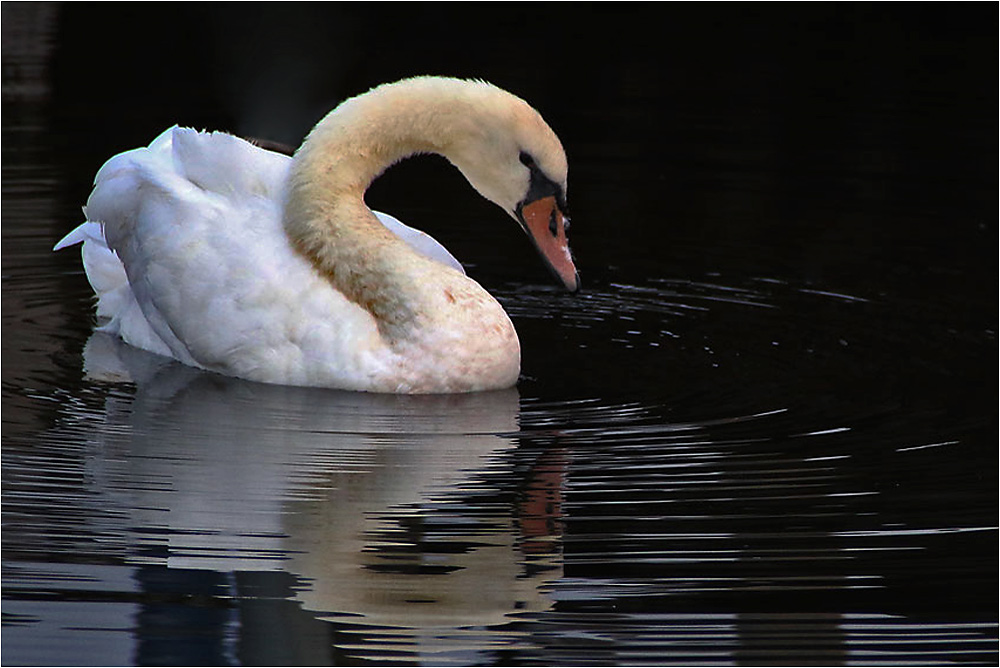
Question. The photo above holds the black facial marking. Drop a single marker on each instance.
(540, 185)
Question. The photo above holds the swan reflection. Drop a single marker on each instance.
(369, 499)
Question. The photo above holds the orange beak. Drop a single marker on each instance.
(546, 225)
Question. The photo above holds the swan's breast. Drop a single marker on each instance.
(465, 341)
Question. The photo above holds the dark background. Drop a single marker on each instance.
(754, 126)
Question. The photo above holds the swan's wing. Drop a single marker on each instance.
(419, 241)
(188, 217)
(185, 248)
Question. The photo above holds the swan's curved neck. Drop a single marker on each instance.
(326, 218)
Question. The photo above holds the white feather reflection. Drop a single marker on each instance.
(345, 490)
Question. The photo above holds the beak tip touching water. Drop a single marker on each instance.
(546, 224)
(572, 284)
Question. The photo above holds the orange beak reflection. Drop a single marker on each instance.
(546, 226)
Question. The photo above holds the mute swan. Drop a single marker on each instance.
(224, 256)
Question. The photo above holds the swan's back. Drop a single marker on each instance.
(193, 263)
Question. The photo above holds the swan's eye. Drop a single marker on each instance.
(526, 160)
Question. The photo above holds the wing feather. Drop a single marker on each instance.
(185, 248)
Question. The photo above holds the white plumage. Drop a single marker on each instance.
(191, 252)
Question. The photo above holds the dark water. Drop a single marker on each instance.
(765, 432)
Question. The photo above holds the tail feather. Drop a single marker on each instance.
(104, 270)
(86, 232)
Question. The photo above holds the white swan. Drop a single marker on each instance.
(210, 250)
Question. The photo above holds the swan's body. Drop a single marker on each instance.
(222, 255)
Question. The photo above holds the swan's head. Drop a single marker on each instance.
(514, 159)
